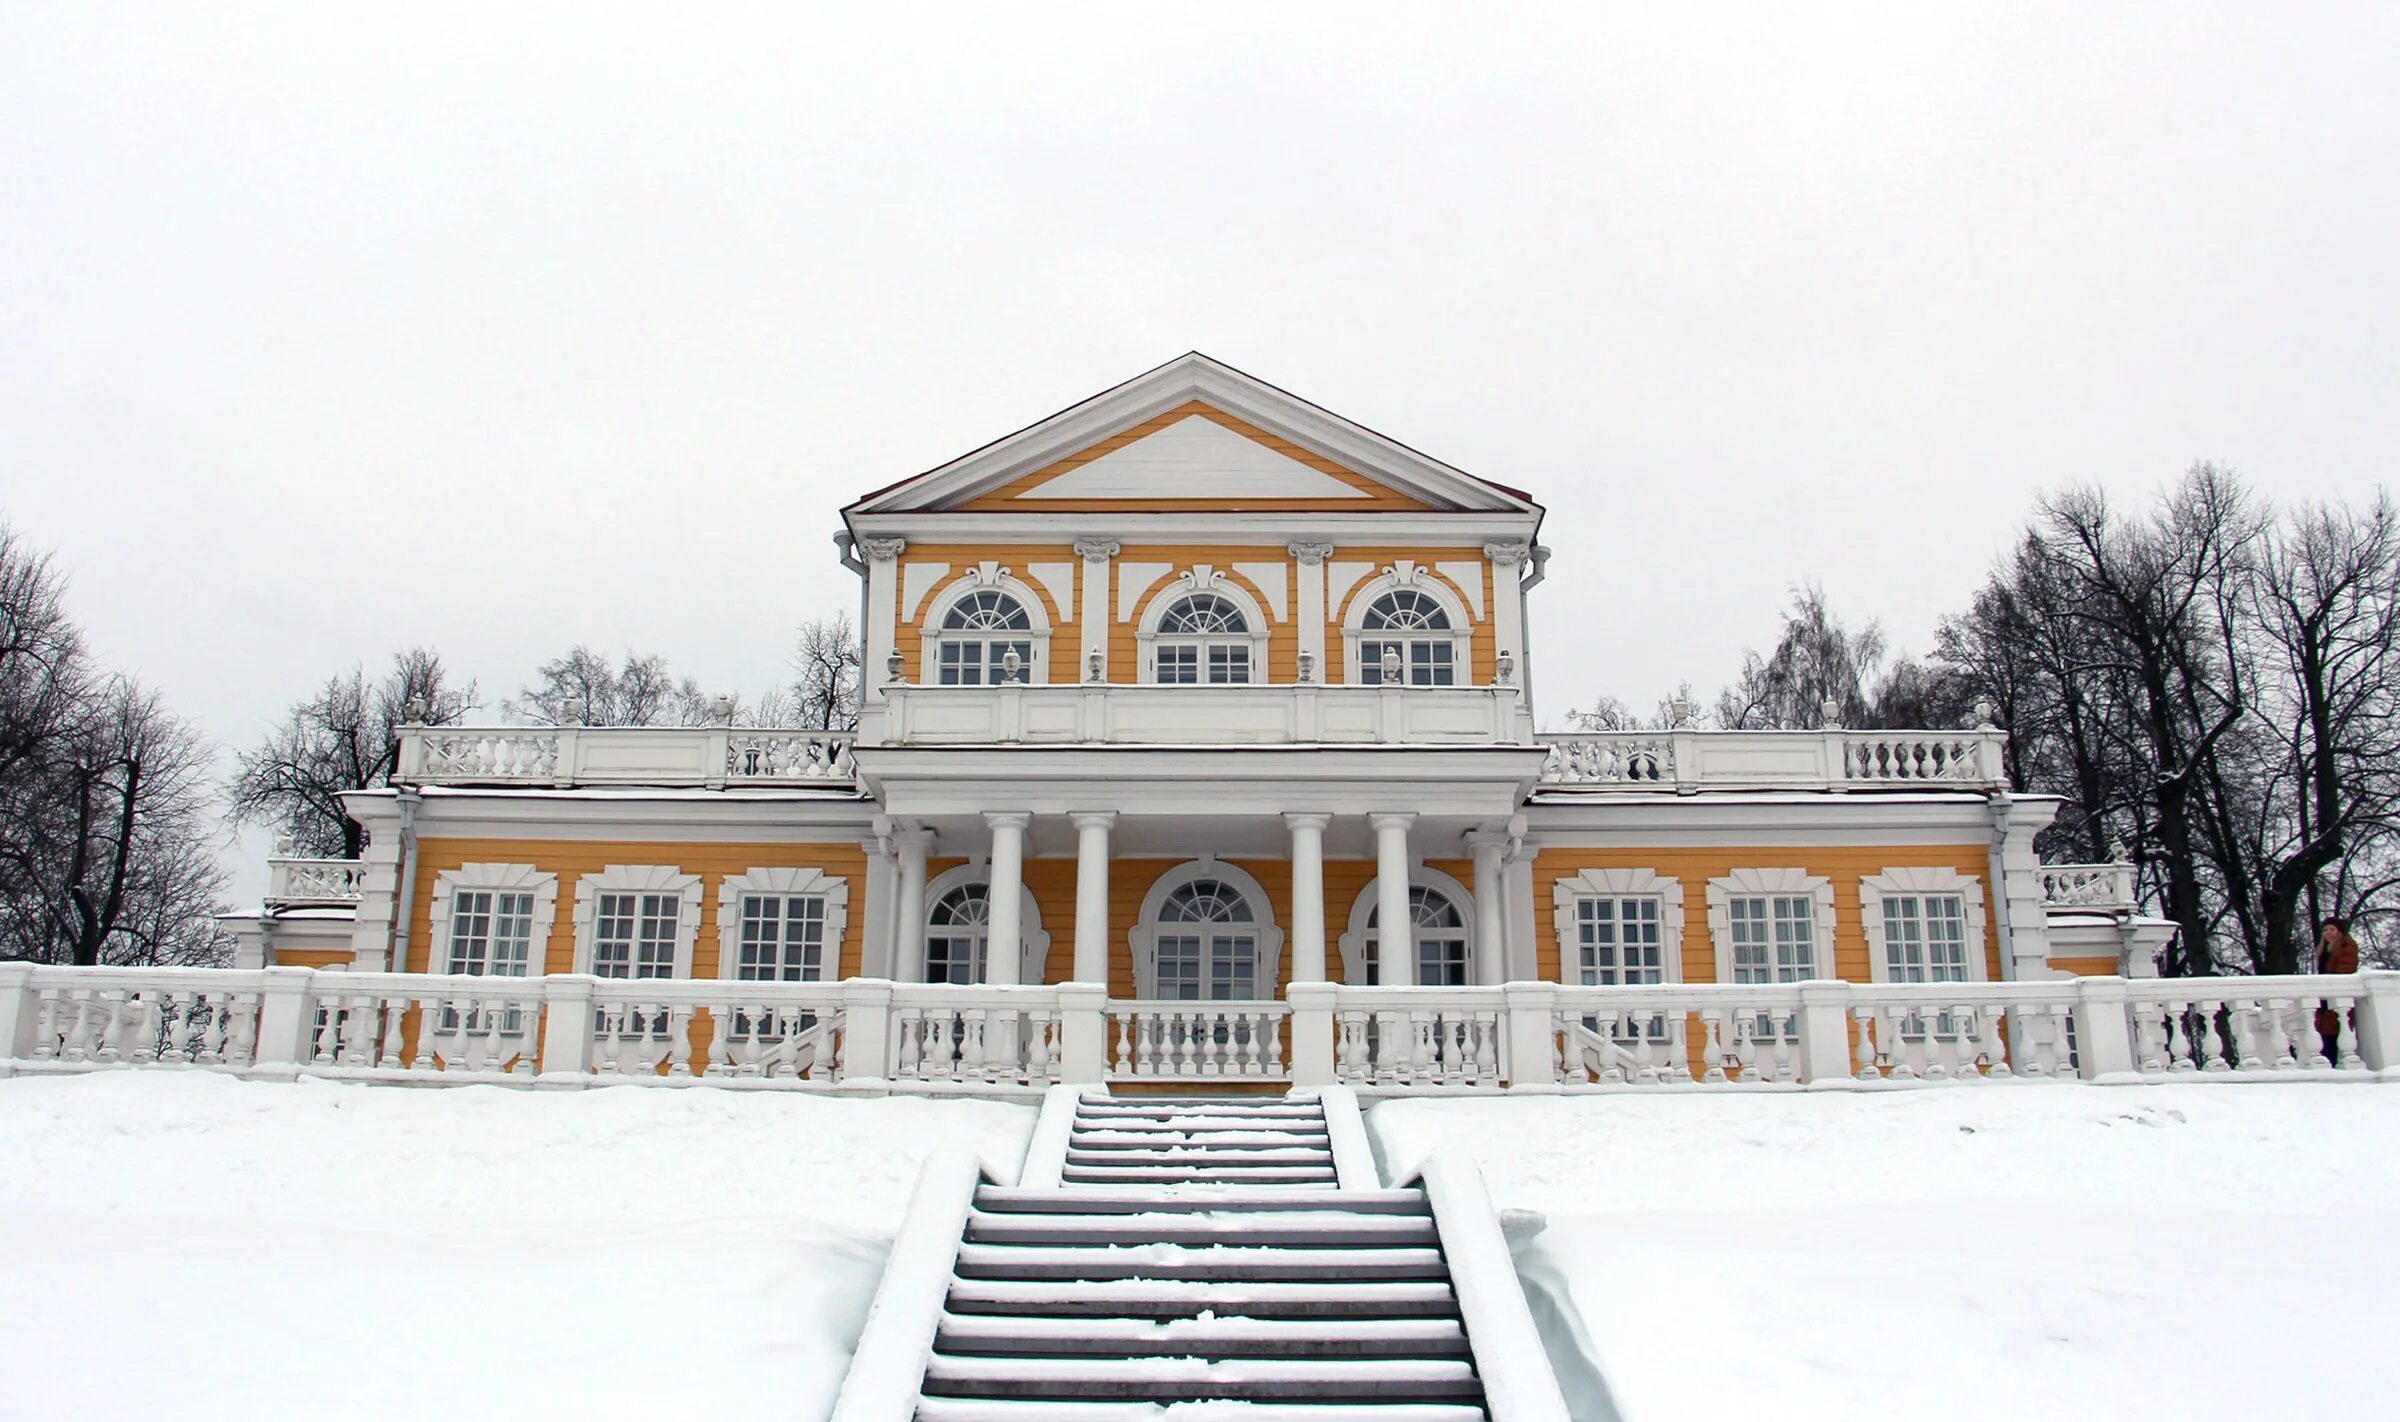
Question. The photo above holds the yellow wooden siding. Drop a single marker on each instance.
(2107, 967)
(1379, 496)
(314, 957)
(1066, 626)
(1845, 867)
(1483, 643)
(570, 860)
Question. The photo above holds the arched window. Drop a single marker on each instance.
(1203, 639)
(956, 934)
(978, 633)
(1410, 624)
(1207, 944)
(1440, 932)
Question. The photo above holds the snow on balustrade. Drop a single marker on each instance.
(1418, 1037)
(88, 1017)
(294, 882)
(1609, 760)
(788, 755)
(701, 756)
(2095, 886)
(2250, 1025)
(1678, 1035)
(1199, 1040)
(421, 1023)
(1962, 1031)
(1914, 755)
(488, 755)
(958, 1035)
(1689, 760)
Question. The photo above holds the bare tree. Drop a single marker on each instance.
(584, 686)
(1816, 660)
(345, 737)
(826, 673)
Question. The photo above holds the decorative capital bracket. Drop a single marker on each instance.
(1310, 554)
(1507, 555)
(1096, 550)
(882, 550)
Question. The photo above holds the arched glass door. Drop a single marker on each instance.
(1440, 934)
(1207, 944)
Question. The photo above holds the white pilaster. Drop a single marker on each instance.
(1487, 848)
(879, 948)
(1091, 894)
(1395, 929)
(1508, 608)
(883, 613)
(1097, 555)
(1003, 959)
(1311, 607)
(910, 844)
(1308, 896)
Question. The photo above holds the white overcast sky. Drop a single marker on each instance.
(329, 329)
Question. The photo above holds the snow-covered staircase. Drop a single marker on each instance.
(1200, 1249)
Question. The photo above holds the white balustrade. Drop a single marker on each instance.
(1688, 761)
(1199, 1041)
(90, 1017)
(2108, 887)
(436, 756)
(1418, 1037)
(1208, 715)
(300, 882)
(2247, 1025)
(788, 755)
(699, 756)
(959, 1035)
(1678, 1034)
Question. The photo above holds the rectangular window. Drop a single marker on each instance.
(783, 938)
(1618, 941)
(633, 935)
(1179, 977)
(1925, 938)
(1427, 662)
(1179, 665)
(491, 933)
(953, 958)
(1228, 665)
(1774, 938)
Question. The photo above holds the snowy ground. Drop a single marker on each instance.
(182, 1245)
(1997, 1252)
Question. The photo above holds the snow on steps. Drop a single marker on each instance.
(1199, 1259)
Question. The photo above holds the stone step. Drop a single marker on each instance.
(1106, 1138)
(1254, 1264)
(1126, 1200)
(962, 1409)
(1305, 1228)
(1197, 1379)
(1186, 1155)
(1197, 1174)
(1218, 1337)
(1170, 1298)
(1163, 1108)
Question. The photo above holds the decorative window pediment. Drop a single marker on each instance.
(782, 925)
(1619, 927)
(1771, 925)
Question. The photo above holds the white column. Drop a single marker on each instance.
(910, 844)
(1491, 895)
(1308, 897)
(1395, 930)
(1003, 958)
(1311, 605)
(883, 612)
(1095, 553)
(1508, 605)
(1091, 894)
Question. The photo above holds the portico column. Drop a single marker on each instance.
(1487, 847)
(1003, 951)
(1395, 930)
(1091, 894)
(909, 846)
(1308, 897)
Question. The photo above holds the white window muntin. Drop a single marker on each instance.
(1593, 908)
(637, 921)
(782, 925)
(1923, 925)
(1203, 628)
(961, 922)
(492, 920)
(1207, 928)
(1442, 930)
(971, 626)
(1429, 655)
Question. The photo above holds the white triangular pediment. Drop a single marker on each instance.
(1166, 463)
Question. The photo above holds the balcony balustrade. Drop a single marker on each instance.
(312, 883)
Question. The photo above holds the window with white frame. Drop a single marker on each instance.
(1617, 940)
(1622, 928)
(783, 938)
(979, 632)
(1924, 938)
(958, 927)
(1206, 945)
(634, 934)
(780, 924)
(1439, 932)
(491, 920)
(491, 932)
(1414, 626)
(1203, 639)
(636, 923)
(1771, 926)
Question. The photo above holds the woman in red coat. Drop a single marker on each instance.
(2337, 952)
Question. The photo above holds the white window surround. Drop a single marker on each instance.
(1033, 941)
(986, 576)
(1354, 940)
(1754, 883)
(833, 889)
(1969, 889)
(638, 879)
(516, 878)
(1417, 577)
(1619, 884)
(1144, 937)
(1203, 579)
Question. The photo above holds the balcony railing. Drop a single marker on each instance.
(568, 1030)
(1686, 762)
(312, 883)
(2101, 888)
(711, 757)
(1039, 714)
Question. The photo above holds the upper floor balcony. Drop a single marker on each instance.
(1096, 713)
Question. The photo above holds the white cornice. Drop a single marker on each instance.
(1267, 526)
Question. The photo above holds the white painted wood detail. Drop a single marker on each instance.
(1133, 581)
(1571, 889)
(1058, 580)
(1167, 463)
(1274, 583)
(1921, 884)
(1469, 578)
(916, 580)
(1340, 578)
(786, 882)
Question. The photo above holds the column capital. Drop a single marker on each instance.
(1096, 550)
(1309, 554)
(1092, 819)
(1383, 820)
(909, 837)
(1306, 819)
(882, 550)
(1507, 555)
(1496, 841)
(1008, 819)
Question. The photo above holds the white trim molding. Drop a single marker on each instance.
(1202, 579)
(832, 888)
(1750, 883)
(1409, 574)
(1033, 941)
(1354, 934)
(638, 879)
(521, 878)
(988, 575)
(1144, 937)
(1937, 880)
(1618, 884)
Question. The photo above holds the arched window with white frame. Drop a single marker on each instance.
(1411, 625)
(958, 929)
(1206, 934)
(1440, 918)
(1203, 639)
(981, 625)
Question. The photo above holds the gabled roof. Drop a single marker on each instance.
(1161, 397)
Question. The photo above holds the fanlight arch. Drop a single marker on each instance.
(971, 628)
(1410, 614)
(1203, 629)
(1207, 931)
(1442, 925)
